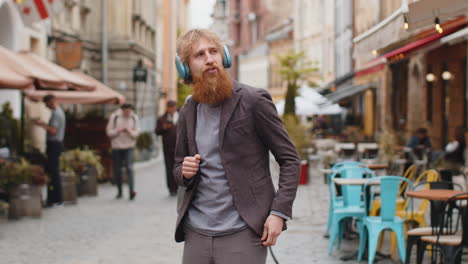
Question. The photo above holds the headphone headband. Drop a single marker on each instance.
(184, 70)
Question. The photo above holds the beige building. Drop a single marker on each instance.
(280, 40)
(314, 34)
(219, 17)
(173, 19)
(79, 35)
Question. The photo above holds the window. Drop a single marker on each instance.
(400, 94)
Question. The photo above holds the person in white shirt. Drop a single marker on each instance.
(123, 128)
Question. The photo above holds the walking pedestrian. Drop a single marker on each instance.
(54, 148)
(123, 128)
(166, 127)
(230, 212)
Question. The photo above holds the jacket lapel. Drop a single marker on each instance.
(191, 120)
(227, 109)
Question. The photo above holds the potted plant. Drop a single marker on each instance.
(302, 141)
(144, 145)
(21, 182)
(81, 170)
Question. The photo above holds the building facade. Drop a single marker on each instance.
(314, 33)
(173, 20)
(250, 22)
(219, 17)
(418, 73)
(280, 40)
(80, 33)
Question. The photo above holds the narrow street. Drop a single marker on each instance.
(102, 230)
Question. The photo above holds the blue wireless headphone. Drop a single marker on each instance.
(184, 70)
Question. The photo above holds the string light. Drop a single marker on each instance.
(437, 25)
(406, 25)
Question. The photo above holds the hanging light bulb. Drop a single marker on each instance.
(446, 75)
(430, 77)
(437, 25)
(405, 25)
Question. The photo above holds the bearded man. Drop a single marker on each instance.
(231, 211)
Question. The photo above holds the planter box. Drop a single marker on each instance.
(25, 200)
(88, 182)
(69, 192)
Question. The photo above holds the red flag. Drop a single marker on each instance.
(36, 10)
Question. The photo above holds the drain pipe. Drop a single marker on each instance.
(104, 48)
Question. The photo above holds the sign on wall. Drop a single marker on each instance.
(69, 54)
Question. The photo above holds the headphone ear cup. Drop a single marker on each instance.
(227, 59)
(182, 68)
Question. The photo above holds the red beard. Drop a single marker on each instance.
(212, 90)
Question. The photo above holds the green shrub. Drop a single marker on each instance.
(298, 134)
(21, 172)
(76, 161)
(144, 141)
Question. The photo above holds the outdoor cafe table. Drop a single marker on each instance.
(435, 195)
(346, 181)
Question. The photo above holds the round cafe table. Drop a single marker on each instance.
(435, 194)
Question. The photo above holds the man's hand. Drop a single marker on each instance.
(37, 122)
(190, 166)
(272, 229)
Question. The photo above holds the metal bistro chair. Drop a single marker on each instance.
(352, 205)
(416, 216)
(448, 243)
(372, 226)
(338, 197)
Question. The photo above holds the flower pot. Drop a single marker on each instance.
(25, 200)
(69, 192)
(88, 182)
(145, 154)
(304, 176)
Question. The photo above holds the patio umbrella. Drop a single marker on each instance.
(101, 95)
(310, 102)
(72, 81)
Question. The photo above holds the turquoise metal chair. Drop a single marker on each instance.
(372, 226)
(338, 198)
(350, 205)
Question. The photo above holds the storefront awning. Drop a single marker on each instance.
(376, 64)
(71, 80)
(347, 92)
(10, 79)
(21, 66)
(101, 95)
(458, 36)
(338, 81)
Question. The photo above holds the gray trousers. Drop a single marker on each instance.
(243, 247)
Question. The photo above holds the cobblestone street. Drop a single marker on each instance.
(102, 230)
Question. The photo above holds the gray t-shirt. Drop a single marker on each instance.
(57, 120)
(212, 211)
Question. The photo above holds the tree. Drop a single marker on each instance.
(294, 68)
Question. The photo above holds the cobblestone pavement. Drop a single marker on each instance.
(102, 230)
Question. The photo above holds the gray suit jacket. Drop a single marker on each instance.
(249, 128)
